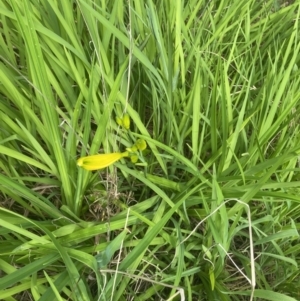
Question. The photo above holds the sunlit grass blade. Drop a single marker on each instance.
(43, 92)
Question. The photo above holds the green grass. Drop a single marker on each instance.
(214, 89)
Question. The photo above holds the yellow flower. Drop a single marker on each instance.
(134, 158)
(124, 122)
(141, 144)
(100, 161)
(119, 121)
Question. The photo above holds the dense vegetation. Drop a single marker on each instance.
(211, 208)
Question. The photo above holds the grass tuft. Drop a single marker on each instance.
(211, 209)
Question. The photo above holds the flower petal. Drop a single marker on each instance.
(100, 161)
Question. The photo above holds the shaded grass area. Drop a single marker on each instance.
(213, 87)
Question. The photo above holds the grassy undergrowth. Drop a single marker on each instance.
(214, 89)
